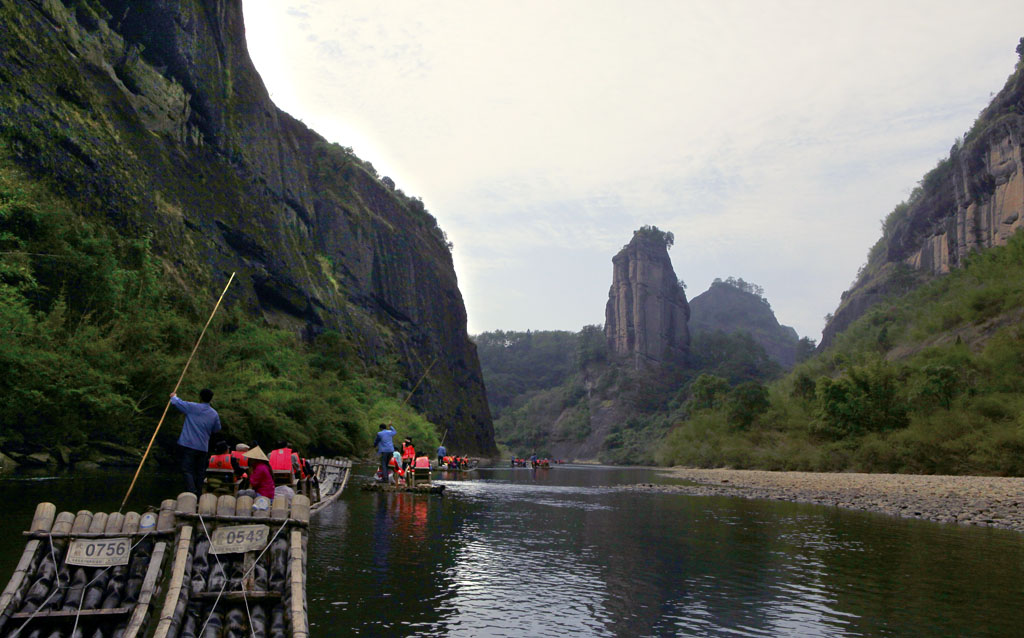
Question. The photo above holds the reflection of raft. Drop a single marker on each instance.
(222, 566)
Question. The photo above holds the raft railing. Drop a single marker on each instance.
(240, 563)
(99, 571)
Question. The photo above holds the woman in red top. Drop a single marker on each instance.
(408, 454)
(260, 477)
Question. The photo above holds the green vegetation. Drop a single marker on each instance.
(552, 389)
(516, 364)
(927, 382)
(94, 332)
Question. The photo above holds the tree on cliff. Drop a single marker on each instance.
(655, 233)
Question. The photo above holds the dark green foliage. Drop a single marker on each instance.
(518, 363)
(865, 399)
(653, 232)
(747, 401)
(708, 392)
(93, 338)
(735, 357)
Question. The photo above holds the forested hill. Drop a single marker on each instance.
(734, 306)
(141, 162)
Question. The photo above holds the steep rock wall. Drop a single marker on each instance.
(972, 201)
(647, 313)
(152, 115)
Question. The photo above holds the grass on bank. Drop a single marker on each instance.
(931, 382)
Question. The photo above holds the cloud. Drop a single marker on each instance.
(770, 137)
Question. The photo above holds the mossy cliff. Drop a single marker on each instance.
(150, 117)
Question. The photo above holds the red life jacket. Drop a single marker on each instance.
(220, 462)
(281, 460)
(243, 462)
(408, 452)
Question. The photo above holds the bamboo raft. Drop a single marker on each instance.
(221, 566)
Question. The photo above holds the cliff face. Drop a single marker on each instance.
(647, 312)
(152, 115)
(971, 201)
(731, 310)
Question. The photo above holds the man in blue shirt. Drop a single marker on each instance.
(441, 453)
(200, 422)
(385, 447)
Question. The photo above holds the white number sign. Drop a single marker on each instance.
(238, 538)
(99, 552)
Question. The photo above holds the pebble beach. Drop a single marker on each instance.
(966, 500)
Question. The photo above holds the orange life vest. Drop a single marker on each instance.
(243, 462)
(281, 460)
(220, 462)
(408, 452)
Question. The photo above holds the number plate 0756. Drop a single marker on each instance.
(239, 538)
(99, 552)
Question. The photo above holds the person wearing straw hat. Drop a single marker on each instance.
(201, 421)
(260, 477)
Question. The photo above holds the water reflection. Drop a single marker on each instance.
(521, 553)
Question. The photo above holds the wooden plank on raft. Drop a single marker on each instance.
(297, 565)
(300, 628)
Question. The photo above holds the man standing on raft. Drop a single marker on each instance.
(201, 421)
(385, 447)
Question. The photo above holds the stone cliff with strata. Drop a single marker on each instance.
(647, 312)
(973, 200)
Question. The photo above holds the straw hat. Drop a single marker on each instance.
(256, 453)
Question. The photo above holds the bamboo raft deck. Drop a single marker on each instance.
(217, 565)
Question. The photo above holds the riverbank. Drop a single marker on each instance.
(966, 500)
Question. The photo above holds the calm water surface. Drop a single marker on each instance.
(513, 552)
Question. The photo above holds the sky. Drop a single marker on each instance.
(770, 137)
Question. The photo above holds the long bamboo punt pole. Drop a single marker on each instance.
(175, 391)
(300, 624)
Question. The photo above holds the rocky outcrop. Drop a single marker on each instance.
(727, 308)
(647, 313)
(971, 201)
(151, 114)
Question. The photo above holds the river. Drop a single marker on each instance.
(517, 552)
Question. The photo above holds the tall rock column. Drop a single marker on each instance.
(647, 312)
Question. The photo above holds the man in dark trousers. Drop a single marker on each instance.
(201, 421)
(385, 447)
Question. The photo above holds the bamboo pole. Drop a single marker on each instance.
(175, 391)
(425, 373)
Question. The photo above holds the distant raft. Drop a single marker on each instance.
(429, 488)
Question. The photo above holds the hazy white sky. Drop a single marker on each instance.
(769, 137)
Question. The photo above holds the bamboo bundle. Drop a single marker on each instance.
(77, 573)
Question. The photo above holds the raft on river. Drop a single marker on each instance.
(215, 566)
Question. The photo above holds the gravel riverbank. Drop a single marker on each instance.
(967, 500)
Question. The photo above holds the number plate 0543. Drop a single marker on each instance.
(238, 538)
(99, 552)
